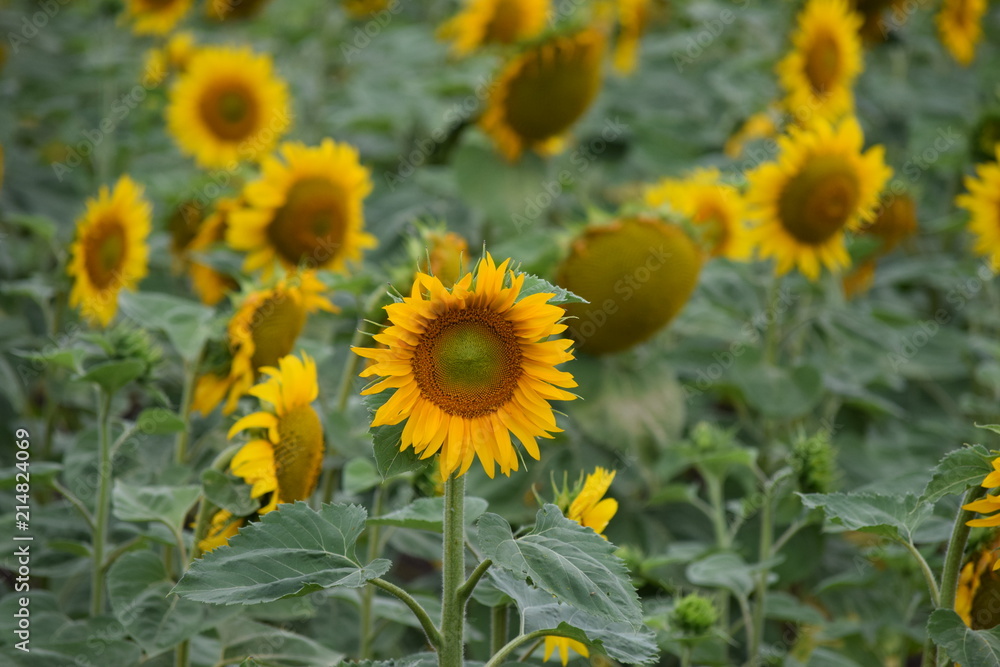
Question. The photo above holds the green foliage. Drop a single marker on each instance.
(889, 516)
(167, 504)
(963, 645)
(427, 514)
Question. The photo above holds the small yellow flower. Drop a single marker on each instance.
(959, 25)
(982, 201)
(171, 58)
(485, 22)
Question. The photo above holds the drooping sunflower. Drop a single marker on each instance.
(155, 16)
(821, 185)
(825, 59)
(305, 210)
(171, 58)
(228, 106)
(210, 284)
(959, 24)
(224, 10)
(542, 92)
(982, 201)
(283, 464)
(761, 125)
(633, 19)
(485, 22)
(470, 366)
(591, 509)
(110, 251)
(712, 205)
(979, 584)
(263, 329)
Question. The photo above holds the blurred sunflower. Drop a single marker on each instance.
(485, 22)
(283, 464)
(633, 19)
(959, 27)
(155, 16)
(637, 274)
(540, 93)
(263, 329)
(826, 58)
(875, 27)
(171, 58)
(441, 254)
(361, 9)
(305, 210)
(228, 106)
(183, 226)
(896, 220)
(470, 366)
(715, 207)
(821, 185)
(979, 584)
(985, 137)
(591, 509)
(982, 201)
(761, 125)
(989, 504)
(110, 252)
(210, 284)
(224, 10)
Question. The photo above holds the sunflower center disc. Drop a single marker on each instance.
(230, 112)
(104, 253)
(468, 362)
(274, 326)
(823, 63)
(298, 454)
(311, 226)
(818, 201)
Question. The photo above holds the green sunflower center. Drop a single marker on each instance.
(274, 326)
(104, 253)
(468, 362)
(823, 63)
(230, 112)
(298, 456)
(312, 224)
(818, 201)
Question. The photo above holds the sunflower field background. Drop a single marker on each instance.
(494, 331)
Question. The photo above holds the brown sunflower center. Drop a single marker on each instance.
(468, 362)
(104, 252)
(183, 225)
(230, 111)
(312, 224)
(506, 23)
(299, 453)
(818, 201)
(823, 63)
(552, 90)
(274, 326)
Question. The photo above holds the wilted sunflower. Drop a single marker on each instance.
(209, 284)
(305, 210)
(979, 584)
(959, 26)
(171, 58)
(224, 10)
(715, 207)
(484, 22)
(821, 185)
(633, 19)
(826, 58)
(470, 366)
(262, 330)
(540, 93)
(283, 464)
(637, 274)
(228, 106)
(110, 251)
(982, 201)
(155, 16)
(591, 509)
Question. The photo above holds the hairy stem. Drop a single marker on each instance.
(452, 651)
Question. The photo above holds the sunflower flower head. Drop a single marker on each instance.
(225, 10)
(821, 185)
(487, 22)
(470, 366)
(210, 284)
(171, 58)
(442, 254)
(982, 201)
(979, 583)
(155, 17)
(959, 24)
(989, 504)
(110, 251)
(633, 18)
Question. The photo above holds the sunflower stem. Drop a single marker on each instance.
(368, 593)
(205, 507)
(956, 549)
(766, 540)
(103, 504)
(433, 635)
(500, 656)
(498, 628)
(452, 650)
(184, 436)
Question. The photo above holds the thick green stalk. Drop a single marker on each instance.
(760, 599)
(103, 504)
(956, 549)
(498, 628)
(368, 593)
(452, 651)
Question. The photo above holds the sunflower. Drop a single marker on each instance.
(183, 226)
(305, 210)
(715, 207)
(592, 510)
(826, 58)
(155, 16)
(171, 57)
(541, 92)
(470, 366)
(223, 10)
(361, 9)
(982, 201)
(960, 29)
(442, 254)
(110, 251)
(979, 584)
(761, 125)
(989, 504)
(633, 19)
(228, 106)
(821, 185)
(483, 22)
(283, 464)
(874, 29)
(209, 284)
(985, 137)
(262, 330)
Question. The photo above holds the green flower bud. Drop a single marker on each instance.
(814, 461)
(694, 614)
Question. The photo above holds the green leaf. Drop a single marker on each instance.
(95, 641)
(777, 391)
(186, 323)
(138, 589)
(572, 563)
(535, 285)
(957, 471)
(42, 474)
(167, 504)
(989, 427)
(390, 460)
(229, 493)
(726, 570)
(293, 551)
(428, 513)
(895, 517)
(159, 421)
(360, 474)
(415, 660)
(272, 646)
(113, 375)
(964, 645)
(61, 357)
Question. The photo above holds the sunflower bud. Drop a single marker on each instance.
(985, 138)
(814, 462)
(440, 253)
(707, 437)
(124, 341)
(694, 615)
